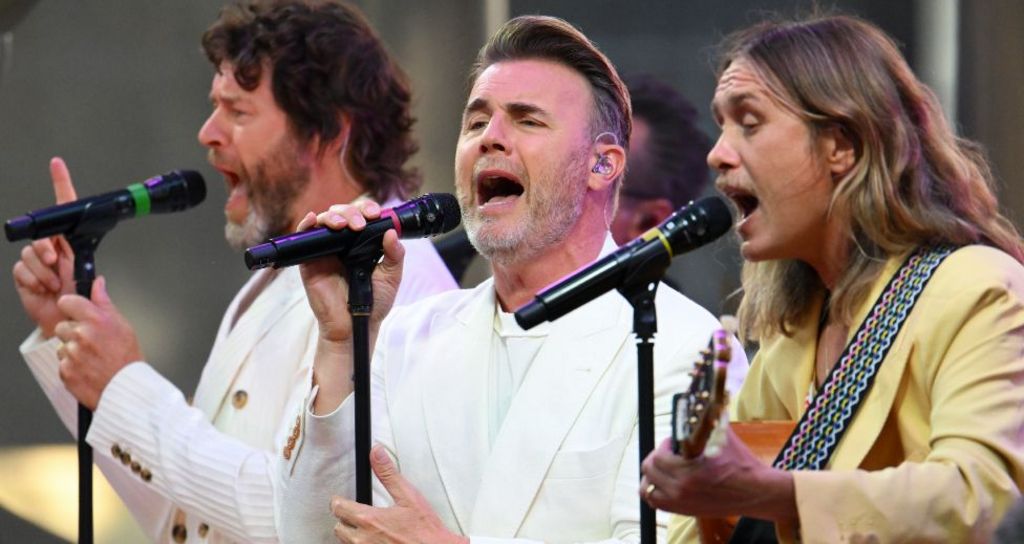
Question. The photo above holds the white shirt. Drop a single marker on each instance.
(512, 352)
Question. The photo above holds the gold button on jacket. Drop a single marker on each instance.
(239, 399)
(179, 533)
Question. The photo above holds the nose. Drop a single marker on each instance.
(210, 134)
(722, 156)
(495, 136)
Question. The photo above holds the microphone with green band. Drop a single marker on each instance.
(642, 260)
(172, 192)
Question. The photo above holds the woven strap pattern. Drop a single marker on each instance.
(816, 436)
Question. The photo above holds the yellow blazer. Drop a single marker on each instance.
(936, 451)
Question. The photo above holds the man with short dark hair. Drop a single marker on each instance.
(486, 430)
(667, 166)
(308, 110)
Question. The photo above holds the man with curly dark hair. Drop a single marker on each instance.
(308, 110)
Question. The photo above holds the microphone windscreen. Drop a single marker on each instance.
(195, 186)
(719, 218)
(699, 223)
(450, 211)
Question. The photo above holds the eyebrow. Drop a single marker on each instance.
(475, 105)
(734, 100)
(516, 109)
(226, 98)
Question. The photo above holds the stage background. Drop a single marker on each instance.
(119, 89)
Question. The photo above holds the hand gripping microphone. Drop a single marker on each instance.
(688, 228)
(171, 192)
(428, 215)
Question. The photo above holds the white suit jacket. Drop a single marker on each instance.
(213, 460)
(564, 466)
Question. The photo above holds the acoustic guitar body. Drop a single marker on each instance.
(764, 439)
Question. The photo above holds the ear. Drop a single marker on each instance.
(339, 145)
(614, 156)
(839, 151)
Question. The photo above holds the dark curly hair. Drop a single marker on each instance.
(325, 61)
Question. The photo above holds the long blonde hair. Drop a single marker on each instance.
(914, 182)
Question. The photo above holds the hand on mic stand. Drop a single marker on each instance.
(97, 341)
(44, 281)
(357, 236)
(50, 271)
(44, 272)
(328, 293)
(346, 332)
(349, 320)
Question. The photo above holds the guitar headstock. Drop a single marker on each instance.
(696, 411)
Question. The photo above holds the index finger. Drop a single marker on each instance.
(61, 177)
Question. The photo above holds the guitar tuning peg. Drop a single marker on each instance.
(705, 395)
(699, 408)
(729, 323)
(692, 421)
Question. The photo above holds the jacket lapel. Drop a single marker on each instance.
(455, 397)
(234, 345)
(793, 368)
(791, 363)
(579, 349)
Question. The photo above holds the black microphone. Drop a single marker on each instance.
(688, 228)
(421, 217)
(171, 192)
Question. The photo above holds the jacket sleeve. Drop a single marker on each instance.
(149, 509)
(323, 463)
(188, 463)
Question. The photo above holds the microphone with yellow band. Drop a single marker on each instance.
(641, 261)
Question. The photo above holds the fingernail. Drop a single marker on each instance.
(380, 455)
(335, 218)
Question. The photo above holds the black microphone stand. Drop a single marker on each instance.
(95, 222)
(639, 286)
(359, 265)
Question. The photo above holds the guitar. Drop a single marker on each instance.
(700, 419)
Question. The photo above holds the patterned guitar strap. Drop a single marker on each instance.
(815, 438)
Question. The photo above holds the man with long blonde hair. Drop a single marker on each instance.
(886, 291)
